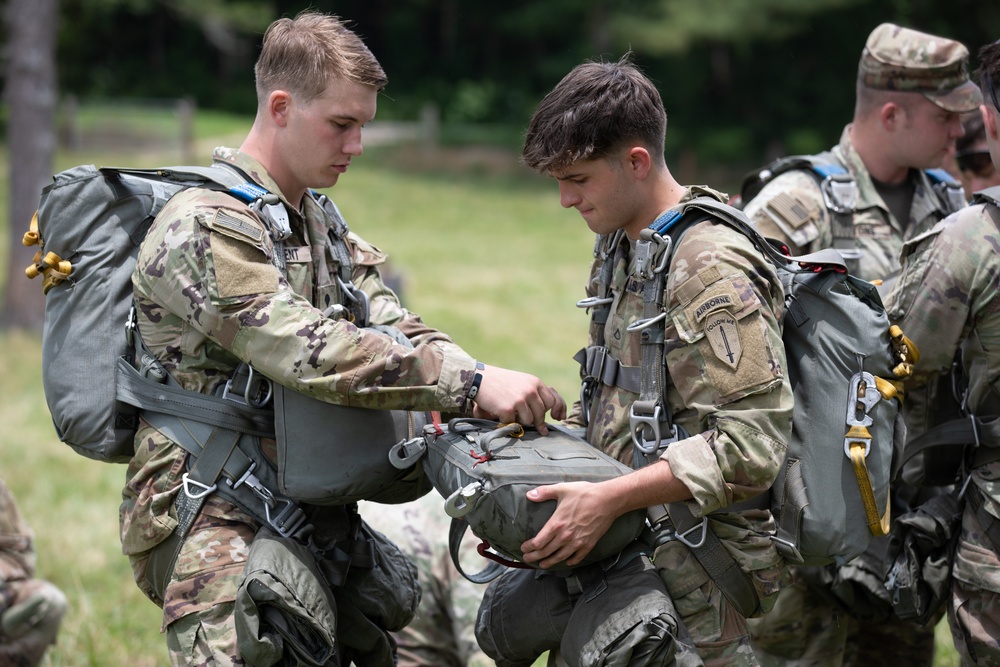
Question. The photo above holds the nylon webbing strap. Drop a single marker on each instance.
(652, 267)
(597, 362)
(134, 389)
(716, 559)
(455, 534)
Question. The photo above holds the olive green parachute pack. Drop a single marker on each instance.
(484, 470)
(831, 495)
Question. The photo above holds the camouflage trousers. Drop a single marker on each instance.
(805, 629)
(30, 614)
(719, 631)
(443, 632)
(974, 608)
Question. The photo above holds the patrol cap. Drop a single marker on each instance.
(896, 58)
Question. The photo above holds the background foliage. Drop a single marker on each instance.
(740, 78)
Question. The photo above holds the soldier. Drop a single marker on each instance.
(443, 633)
(972, 156)
(218, 283)
(946, 300)
(600, 133)
(30, 609)
(911, 89)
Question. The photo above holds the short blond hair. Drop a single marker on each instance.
(302, 55)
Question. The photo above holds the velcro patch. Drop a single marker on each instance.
(723, 333)
(791, 210)
(240, 225)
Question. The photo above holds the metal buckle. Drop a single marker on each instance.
(594, 302)
(406, 453)
(858, 403)
(840, 193)
(254, 484)
(288, 521)
(461, 502)
(229, 394)
(639, 325)
(187, 482)
(131, 324)
(703, 526)
(652, 254)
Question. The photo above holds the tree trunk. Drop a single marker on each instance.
(30, 94)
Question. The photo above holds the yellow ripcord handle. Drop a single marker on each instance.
(878, 525)
(50, 265)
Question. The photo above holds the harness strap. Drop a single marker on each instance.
(715, 558)
(597, 364)
(650, 415)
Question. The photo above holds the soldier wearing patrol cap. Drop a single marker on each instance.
(878, 188)
(946, 298)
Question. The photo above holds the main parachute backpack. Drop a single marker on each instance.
(832, 493)
(89, 225)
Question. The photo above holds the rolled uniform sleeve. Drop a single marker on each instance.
(727, 367)
(207, 261)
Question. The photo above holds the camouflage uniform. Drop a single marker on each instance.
(30, 609)
(791, 208)
(443, 634)
(740, 416)
(208, 296)
(947, 298)
(806, 627)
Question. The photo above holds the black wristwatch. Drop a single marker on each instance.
(476, 381)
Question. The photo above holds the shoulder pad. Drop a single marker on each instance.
(987, 196)
(365, 254)
(840, 192)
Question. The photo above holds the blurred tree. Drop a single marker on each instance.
(30, 95)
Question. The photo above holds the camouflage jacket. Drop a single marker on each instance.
(17, 553)
(791, 208)
(739, 414)
(948, 297)
(208, 297)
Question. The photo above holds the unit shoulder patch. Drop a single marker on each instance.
(723, 333)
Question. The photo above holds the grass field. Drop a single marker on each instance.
(483, 251)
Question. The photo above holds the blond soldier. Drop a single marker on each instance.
(947, 299)
(600, 134)
(217, 283)
(911, 89)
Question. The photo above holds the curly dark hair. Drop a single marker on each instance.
(596, 109)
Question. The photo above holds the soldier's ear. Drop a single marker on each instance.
(279, 106)
(891, 115)
(638, 162)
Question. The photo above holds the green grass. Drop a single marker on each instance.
(484, 252)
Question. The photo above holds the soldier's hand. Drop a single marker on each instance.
(512, 396)
(580, 520)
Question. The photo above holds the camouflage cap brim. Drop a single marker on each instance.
(963, 99)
